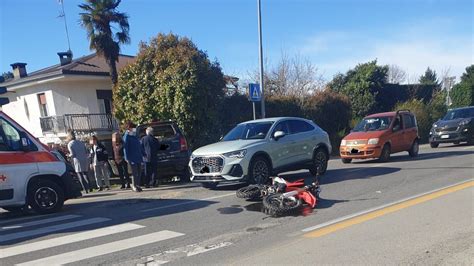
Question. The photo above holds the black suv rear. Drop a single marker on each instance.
(455, 127)
(174, 154)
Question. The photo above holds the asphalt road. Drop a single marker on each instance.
(187, 224)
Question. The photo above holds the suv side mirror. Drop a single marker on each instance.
(278, 135)
(25, 142)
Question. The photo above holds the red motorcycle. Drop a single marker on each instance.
(282, 196)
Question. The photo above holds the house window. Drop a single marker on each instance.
(42, 104)
(104, 99)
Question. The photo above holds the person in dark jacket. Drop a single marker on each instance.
(99, 159)
(133, 154)
(122, 166)
(150, 146)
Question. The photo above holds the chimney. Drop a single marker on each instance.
(19, 70)
(65, 57)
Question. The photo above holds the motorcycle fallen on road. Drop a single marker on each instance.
(282, 197)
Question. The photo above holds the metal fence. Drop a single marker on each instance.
(79, 122)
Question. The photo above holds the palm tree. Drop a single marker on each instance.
(99, 18)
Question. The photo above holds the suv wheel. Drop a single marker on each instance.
(259, 170)
(45, 196)
(385, 156)
(434, 145)
(210, 185)
(414, 149)
(320, 162)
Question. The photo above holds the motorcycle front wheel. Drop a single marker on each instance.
(251, 192)
(276, 205)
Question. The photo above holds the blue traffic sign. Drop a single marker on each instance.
(255, 95)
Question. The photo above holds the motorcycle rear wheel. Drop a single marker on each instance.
(276, 205)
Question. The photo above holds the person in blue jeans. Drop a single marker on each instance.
(133, 154)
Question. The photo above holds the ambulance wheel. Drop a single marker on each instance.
(45, 196)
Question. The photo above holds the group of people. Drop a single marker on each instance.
(128, 151)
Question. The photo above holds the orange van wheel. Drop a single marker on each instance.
(346, 160)
(385, 155)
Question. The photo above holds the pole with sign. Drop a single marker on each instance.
(255, 95)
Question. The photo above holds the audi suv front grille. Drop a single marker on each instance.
(206, 165)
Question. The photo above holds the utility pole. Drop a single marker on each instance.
(260, 55)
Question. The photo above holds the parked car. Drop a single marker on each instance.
(255, 150)
(379, 135)
(174, 154)
(455, 127)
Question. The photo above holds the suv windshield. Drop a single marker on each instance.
(460, 113)
(248, 131)
(373, 124)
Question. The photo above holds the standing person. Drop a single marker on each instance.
(133, 153)
(99, 157)
(78, 154)
(150, 146)
(122, 166)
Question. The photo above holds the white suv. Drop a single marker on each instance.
(255, 150)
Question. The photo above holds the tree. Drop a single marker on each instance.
(429, 78)
(396, 75)
(361, 85)
(6, 76)
(172, 79)
(462, 94)
(291, 76)
(99, 18)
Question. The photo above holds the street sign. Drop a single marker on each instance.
(255, 95)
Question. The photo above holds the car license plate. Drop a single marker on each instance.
(445, 136)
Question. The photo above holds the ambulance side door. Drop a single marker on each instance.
(16, 166)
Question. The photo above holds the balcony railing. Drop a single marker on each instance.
(79, 122)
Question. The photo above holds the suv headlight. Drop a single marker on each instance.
(343, 142)
(464, 122)
(374, 141)
(236, 154)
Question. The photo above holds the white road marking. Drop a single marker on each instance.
(312, 228)
(68, 239)
(38, 222)
(186, 203)
(50, 229)
(467, 148)
(200, 250)
(19, 219)
(104, 249)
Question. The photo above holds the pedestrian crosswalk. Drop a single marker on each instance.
(22, 251)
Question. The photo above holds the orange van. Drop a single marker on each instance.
(379, 135)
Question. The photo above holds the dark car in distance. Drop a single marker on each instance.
(174, 154)
(455, 127)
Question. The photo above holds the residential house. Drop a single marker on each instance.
(74, 94)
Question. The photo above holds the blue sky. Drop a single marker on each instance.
(334, 35)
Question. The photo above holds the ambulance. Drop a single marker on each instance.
(31, 176)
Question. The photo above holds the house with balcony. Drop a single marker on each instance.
(73, 94)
